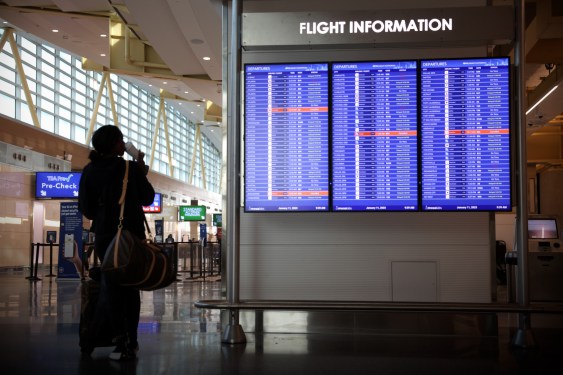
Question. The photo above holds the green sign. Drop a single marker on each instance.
(191, 213)
(218, 220)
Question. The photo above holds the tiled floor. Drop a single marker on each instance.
(39, 335)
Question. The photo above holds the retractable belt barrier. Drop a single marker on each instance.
(34, 260)
(204, 260)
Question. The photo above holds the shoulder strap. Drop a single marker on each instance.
(122, 204)
(123, 193)
(147, 225)
(122, 200)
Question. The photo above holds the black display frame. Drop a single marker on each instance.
(419, 133)
(510, 132)
(53, 173)
(417, 82)
(328, 128)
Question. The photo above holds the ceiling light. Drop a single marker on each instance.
(542, 99)
(103, 54)
(192, 112)
(164, 83)
(55, 30)
(207, 58)
(5, 22)
(199, 105)
(185, 92)
(103, 35)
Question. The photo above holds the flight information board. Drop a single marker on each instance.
(374, 136)
(465, 135)
(286, 137)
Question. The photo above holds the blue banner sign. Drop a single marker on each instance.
(159, 231)
(70, 248)
(203, 233)
(57, 185)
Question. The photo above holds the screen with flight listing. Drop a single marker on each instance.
(374, 136)
(465, 135)
(286, 137)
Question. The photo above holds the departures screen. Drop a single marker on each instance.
(465, 135)
(374, 136)
(286, 137)
(419, 135)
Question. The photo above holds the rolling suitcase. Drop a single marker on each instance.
(95, 328)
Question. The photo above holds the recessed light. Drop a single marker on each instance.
(5, 22)
(150, 85)
(103, 35)
(199, 105)
(55, 30)
(103, 54)
(185, 92)
(207, 58)
(192, 112)
(164, 83)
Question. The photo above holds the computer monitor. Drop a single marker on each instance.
(542, 228)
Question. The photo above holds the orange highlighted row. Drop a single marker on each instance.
(300, 193)
(477, 131)
(391, 133)
(300, 109)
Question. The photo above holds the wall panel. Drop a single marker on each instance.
(347, 256)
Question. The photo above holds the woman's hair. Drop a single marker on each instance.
(104, 141)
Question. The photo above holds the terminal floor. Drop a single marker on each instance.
(39, 335)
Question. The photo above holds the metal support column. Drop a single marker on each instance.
(202, 161)
(111, 100)
(9, 36)
(233, 333)
(105, 76)
(167, 138)
(197, 138)
(156, 127)
(523, 337)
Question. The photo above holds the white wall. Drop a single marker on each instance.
(348, 256)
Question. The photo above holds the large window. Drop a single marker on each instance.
(65, 96)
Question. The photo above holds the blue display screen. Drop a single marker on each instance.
(374, 136)
(286, 137)
(156, 206)
(57, 185)
(465, 135)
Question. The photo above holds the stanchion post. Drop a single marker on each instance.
(30, 277)
(202, 268)
(35, 278)
(184, 267)
(50, 260)
(210, 255)
(191, 260)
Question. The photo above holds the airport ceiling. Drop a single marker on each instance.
(180, 42)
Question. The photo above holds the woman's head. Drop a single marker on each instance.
(108, 141)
